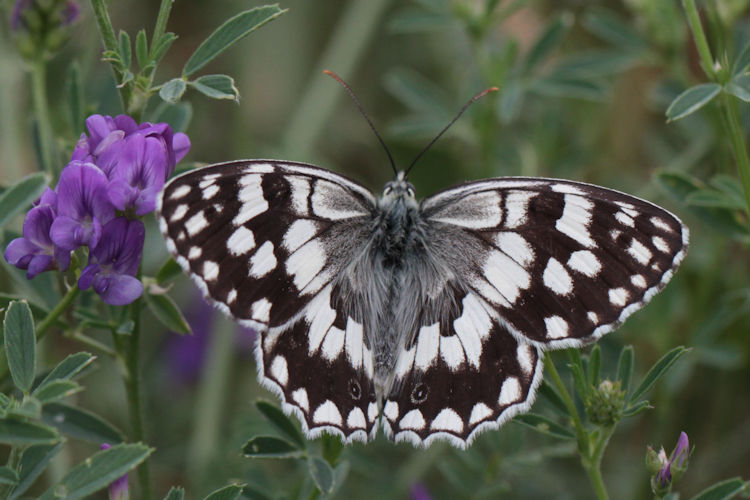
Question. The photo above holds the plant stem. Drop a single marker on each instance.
(14, 458)
(737, 136)
(128, 348)
(728, 105)
(161, 21)
(590, 457)
(701, 43)
(41, 110)
(52, 316)
(109, 39)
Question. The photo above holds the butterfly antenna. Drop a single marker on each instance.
(481, 94)
(367, 118)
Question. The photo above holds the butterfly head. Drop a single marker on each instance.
(399, 188)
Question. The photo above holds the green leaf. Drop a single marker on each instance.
(141, 49)
(728, 185)
(56, 389)
(74, 91)
(33, 462)
(80, 424)
(68, 368)
(680, 185)
(322, 474)
(98, 471)
(414, 20)
(270, 447)
(282, 422)
(594, 366)
(233, 30)
(168, 272)
(625, 368)
(252, 493)
(579, 377)
(19, 433)
(609, 26)
(691, 100)
(20, 195)
(636, 409)
(161, 47)
(716, 199)
(544, 425)
(172, 91)
(231, 492)
(216, 87)
(723, 490)
(20, 344)
(657, 371)
(175, 493)
(549, 40)
(569, 87)
(167, 312)
(742, 62)
(739, 87)
(29, 408)
(8, 475)
(125, 50)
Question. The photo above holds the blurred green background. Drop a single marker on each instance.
(583, 91)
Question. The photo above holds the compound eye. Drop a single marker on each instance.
(410, 191)
(354, 389)
(419, 394)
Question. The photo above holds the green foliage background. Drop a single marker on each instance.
(584, 87)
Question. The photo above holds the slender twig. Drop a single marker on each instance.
(128, 348)
(590, 456)
(109, 39)
(729, 112)
(55, 313)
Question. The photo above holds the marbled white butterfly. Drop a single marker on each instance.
(428, 317)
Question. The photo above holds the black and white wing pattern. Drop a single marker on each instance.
(264, 241)
(536, 264)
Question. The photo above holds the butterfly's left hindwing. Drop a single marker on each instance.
(264, 241)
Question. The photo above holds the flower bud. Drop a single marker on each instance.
(606, 403)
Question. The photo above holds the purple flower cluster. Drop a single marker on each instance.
(665, 469)
(115, 175)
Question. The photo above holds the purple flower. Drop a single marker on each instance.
(35, 251)
(139, 176)
(105, 143)
(118, 489)
(82, 206)
(670, 468)
(64, 13)
(419, 492)
(113, 263)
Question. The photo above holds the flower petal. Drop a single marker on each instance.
(181, 145)
(121, 194)
(39, 263)
(121, 290)
(20, 251)
(68, 233)
(36, 226)
(87, 276)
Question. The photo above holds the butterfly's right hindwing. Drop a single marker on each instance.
(258, 238)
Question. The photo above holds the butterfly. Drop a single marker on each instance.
(429, 318)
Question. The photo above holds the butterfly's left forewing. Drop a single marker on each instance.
(264, 241)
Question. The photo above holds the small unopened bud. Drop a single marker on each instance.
(606, 404)
(665, 471)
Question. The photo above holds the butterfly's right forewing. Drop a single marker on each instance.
(264, 241)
